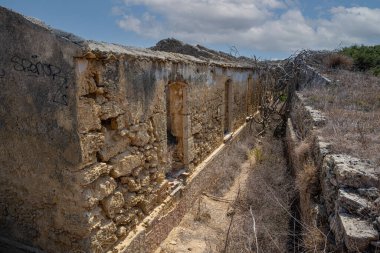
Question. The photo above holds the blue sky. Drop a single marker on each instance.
(268, 29)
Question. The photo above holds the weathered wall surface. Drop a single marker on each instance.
(142, 120)
(95, 136)
(39, 144)
(339, 193)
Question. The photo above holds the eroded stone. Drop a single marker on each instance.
(123, 164)
(88, 115)
(90, 173)
(98, 190)
(113, 204)
(357, 233)
(352, 202)
(90, 144)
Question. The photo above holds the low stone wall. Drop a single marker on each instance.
(341, 193)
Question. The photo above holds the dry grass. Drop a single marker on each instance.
(306, 178)
(338, 61)
(302, 152)
(352, 105)
(314, 240)
(231, 167)
(263, 207)
(255, 155)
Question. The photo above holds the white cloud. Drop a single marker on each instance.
(251, 24)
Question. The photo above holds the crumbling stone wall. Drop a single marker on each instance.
(85, 129)
(39, 145)
(342, 194)
(125, 105)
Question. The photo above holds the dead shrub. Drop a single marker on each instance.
(314, 240)
(302, 151)
(306, 178)
(338, 61)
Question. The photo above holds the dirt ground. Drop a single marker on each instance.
(261, 193)
(204, 228)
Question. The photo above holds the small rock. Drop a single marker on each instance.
(231, 211)
(112, 204)
(121, 231)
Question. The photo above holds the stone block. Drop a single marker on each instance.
(124, 219)
(320, 150)
(197, 128)
(188, 150)
(104, 237)
(162, 152)
(87, 85)
(90, 144)
(121, 232)
(317, 116)
(148, 203)
(140, 138)
(88, 115)
(352, 202)
(110, 110)
(113, 204)
(371, 193)
(80, 224)
(357, 233)
(133, 185)
(144, 180)
(329, 191)
(92, 172)
(114, 145)
(124, 164)
(98, 190)
(354, 172)
(119, 122)
(186, 131)
(159, 125)
(132, 199)
(95, 218)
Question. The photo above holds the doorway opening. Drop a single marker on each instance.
(175, 125)
(227, 107)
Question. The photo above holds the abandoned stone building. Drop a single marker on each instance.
(104, 147)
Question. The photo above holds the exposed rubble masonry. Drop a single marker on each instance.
(99, 142)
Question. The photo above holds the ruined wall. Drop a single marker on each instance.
(339, 194)
(132, 109)
(39, 144)
(95, 136)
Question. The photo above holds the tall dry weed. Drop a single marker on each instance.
(338, 61)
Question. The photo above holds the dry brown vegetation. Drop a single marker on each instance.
(338, 61)
(262, 210)
(352, 106)
(232, 167)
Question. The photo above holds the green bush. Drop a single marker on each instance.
(366, 58)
